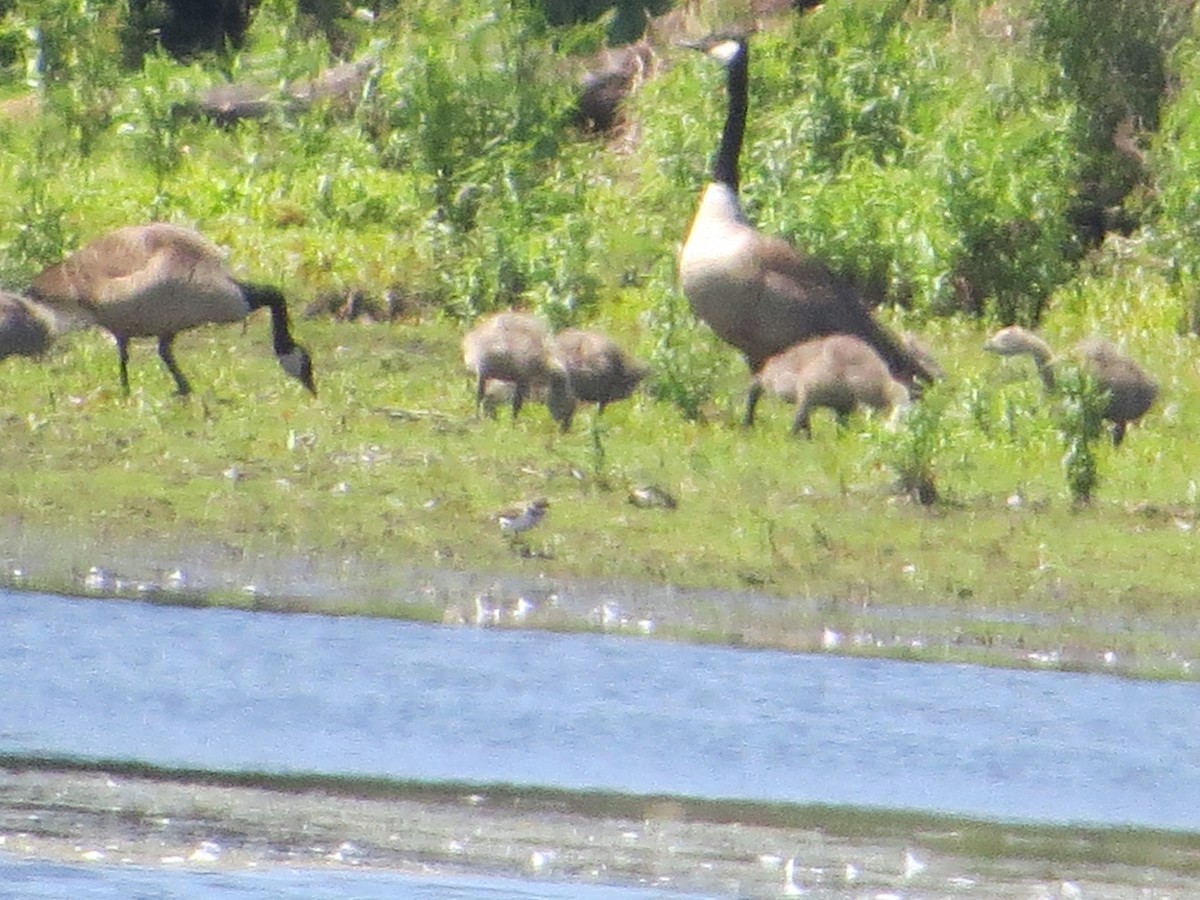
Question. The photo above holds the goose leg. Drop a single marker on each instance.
(802, 424)
(167, 354)
(480, 386)
(123, 356)
(756, 390)
(1118, 433)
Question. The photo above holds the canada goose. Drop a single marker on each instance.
(755, 291)
(600, 371)
(1131, 392)
(158, 280)
(342, 86)
(839, 372)
(516, 347)
(26, 328)
(227, 104)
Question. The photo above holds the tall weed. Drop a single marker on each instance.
(72, 62)
(910, 447)
(684, 367)
(42, 233)
(1082, 426)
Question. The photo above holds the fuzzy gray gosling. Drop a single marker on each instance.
(27, 328)
(158, 280)
(1131, 392)
(600, 371)
(839, 372)
(516, 347)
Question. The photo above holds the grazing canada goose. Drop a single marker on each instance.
(600, 371)
(158, 280)
(755, 291)
(839, 372)
(26, 328)
(1131, 392)
(516, 347)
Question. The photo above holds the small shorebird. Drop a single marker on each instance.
(514, 522)
(790, 887)
(912, 865)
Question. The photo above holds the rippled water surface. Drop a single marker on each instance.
(225, 690)
(23, 880)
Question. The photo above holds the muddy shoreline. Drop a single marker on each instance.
(95, 816)
(201, 572)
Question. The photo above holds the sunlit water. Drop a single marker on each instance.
(22, 880)
(225, 690)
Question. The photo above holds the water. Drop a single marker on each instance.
(223, 690)
(24, 880)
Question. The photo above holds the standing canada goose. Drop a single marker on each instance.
(755, 291)
(158, 280)
(1131, 392)
(516, 347)
(600, 371)
(840, 372)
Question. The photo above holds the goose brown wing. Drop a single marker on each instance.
(127, 263)
(803, 298)
(781, 258)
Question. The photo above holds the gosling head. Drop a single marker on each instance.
(1014, 340)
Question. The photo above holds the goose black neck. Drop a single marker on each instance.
(259, 295)
(725, 170)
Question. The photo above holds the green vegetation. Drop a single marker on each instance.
(943, 153)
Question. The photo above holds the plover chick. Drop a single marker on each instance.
(517, 521)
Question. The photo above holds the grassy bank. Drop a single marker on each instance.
(390, 466)
(458, 187)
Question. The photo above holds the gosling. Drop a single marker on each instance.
(26, 328)
(600, 371)
(516, 347)
(839, 372)
(1131, 392)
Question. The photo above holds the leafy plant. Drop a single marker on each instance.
(1113, 61)
(42, 233)
(72, 63)
(1082, 426)
(910, 446)
(683, 372)
(155, 128)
